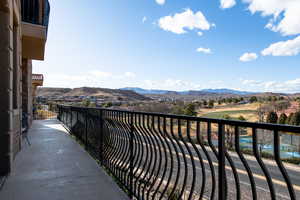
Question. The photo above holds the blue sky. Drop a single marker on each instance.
(249, 45)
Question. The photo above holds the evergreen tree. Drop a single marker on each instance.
(86, 103)
(289, 120)
(227, 117)
(190, 110)
(253, 99)
(178, 110)
(282, 118)
(219, 102)
(108, 104)
(241, 118)
(235, 100)
(296, 119)
(272, 117)
(211, 103)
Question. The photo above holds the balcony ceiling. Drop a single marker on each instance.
(33, 41)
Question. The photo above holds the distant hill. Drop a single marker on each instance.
(112, 94)
(145, 91)
(46, 92)
(188, 92)
(227, 91)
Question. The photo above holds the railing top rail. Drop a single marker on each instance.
(37, 77)
(267, 126)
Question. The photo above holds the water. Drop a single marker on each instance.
(285, 149)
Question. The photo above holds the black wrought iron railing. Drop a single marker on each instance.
(159, 156)
(35, 11)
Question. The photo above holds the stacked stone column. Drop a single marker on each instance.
(6, 84)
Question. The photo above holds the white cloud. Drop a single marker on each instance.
(204, 50)
(200, 33)
(160, 2)
(227, 3)
(246, 57)
(251, 82)
(100, 74)
(171, 84)
(285, 14)
(289, 86)
(130, 74)
(144, 19)
(94, 78)
(185, 20)
(283, 48)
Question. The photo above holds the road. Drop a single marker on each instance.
(163, 162)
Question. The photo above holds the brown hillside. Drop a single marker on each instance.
(96, 92)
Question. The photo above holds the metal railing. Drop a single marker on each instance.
(159, 156)
(35, 11)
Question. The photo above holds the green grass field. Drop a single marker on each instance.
(233, 113)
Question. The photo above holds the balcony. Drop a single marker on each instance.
(37, 80)
(159, 156)
(54, 166)
(35, 19)
(151, 156)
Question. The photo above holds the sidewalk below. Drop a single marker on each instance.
(55, 167)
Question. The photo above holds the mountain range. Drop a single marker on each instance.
(188, 92)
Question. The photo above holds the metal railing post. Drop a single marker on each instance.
(86, 128)
(71, 121)
(131, 155)
(221, 162)
(101, 138)
(152, 159)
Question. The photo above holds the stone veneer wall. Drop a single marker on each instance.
(27, 88)
(9, 117)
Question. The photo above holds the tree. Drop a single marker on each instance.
(227, 117)
(177, 110)
(281, 105)
(108, 104)
(241, 118)
(290, 118)
(235, 100)
(282, 118)
(204, 102)
(262, 110)
(296, 119)
(229, 133)
(86, 103)
(219, 102)
(229, 100)
(264, 139)
(269, 98)
(253, 99)
(211, 103)
(274, 98)
(190, 109)
(272, 117)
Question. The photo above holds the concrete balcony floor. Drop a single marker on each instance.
(55, 167)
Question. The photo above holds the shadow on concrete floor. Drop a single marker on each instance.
(55, 167)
